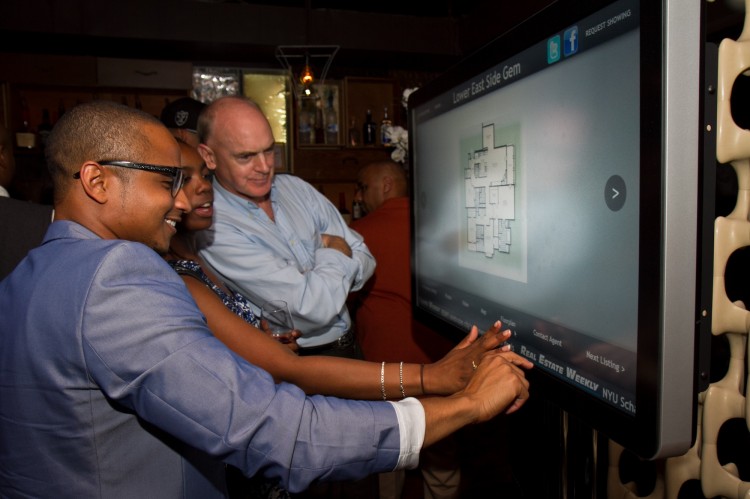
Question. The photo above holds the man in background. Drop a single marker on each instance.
(181, 118)
(275, 236)
(385, 327)
(22, 223)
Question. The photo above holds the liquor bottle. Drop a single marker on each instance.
(354, 133)
(385, 129)
(305, 130)
(44, 128)
(25, 137)
(356, 210)
(332, 122)
(25, 117)
(368, 129)
(345, 213)
(320, 136)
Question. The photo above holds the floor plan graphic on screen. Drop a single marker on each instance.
(492, 235)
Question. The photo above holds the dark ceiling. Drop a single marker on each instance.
(404, 35)
(373, 36)
(722, 15)
(432, 8)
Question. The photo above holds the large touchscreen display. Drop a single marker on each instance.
(530, 209)
(555, 188)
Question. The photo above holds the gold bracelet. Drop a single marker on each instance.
(401, 379)
(421, 377)
(382, 380)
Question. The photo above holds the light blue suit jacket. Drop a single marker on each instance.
(108, 370)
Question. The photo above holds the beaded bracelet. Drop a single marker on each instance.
(382, 380)
(401, 379)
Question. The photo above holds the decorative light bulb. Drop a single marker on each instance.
(306, 78)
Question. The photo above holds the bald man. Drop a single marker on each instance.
(275, 236)
(386, 330)
(384, 323)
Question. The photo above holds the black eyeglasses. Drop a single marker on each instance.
(177, 174)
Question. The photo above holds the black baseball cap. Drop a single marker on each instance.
(182, 113)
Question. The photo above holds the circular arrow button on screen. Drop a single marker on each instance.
(615, 193)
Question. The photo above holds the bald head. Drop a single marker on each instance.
(220, 107)
(238, 145)
(380, 181)
(7, 161)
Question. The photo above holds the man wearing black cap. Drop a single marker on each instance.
(181, 117)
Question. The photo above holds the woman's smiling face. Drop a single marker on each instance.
(198, 189)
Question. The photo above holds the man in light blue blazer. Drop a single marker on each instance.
(111, 384)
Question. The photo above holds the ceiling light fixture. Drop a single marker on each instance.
(290, 56)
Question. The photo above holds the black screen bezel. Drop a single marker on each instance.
(639, 432)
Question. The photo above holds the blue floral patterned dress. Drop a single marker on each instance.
(236, 302)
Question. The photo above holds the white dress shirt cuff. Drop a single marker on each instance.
(411, 424)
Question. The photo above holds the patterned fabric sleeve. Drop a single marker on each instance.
(237, 302)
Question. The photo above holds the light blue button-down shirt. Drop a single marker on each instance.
(284, 259)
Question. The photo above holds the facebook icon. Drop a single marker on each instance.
(570, 41)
